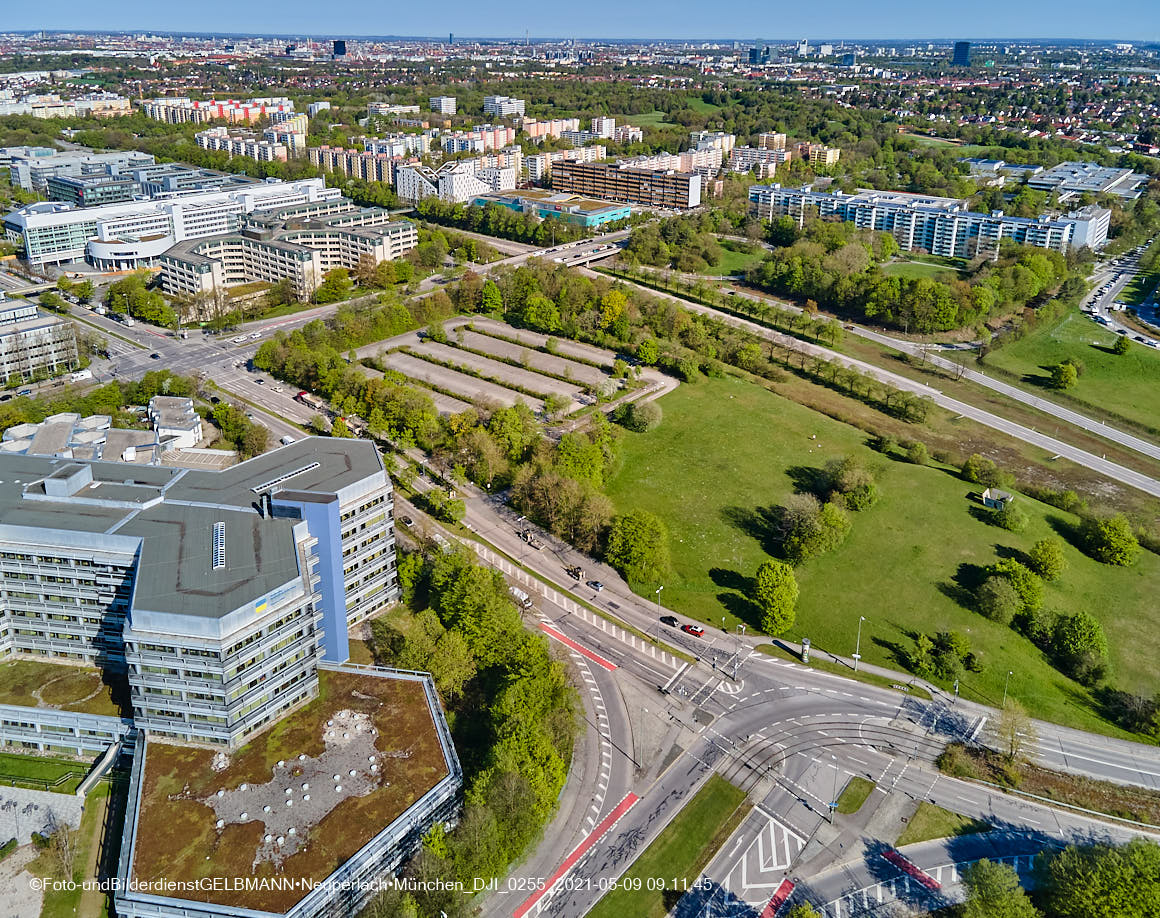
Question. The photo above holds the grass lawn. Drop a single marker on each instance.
(930, 821)
(41, 773)
(854, 795)
(681, 850)
(735, 261)
(1139, 287)
(728, 451)
(70, 688)
(652, 119)
(1121, 386)
(920, 267)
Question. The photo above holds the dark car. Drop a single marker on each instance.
(694, 630)
(154, 356)
(670, 620)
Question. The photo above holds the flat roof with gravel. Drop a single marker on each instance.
(295, 802)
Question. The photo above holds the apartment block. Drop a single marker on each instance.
(368, 166)
(940, 226)
(444, 105)
(387, 109)
(818, 154)
(555, 127)
(771, 140)
(454, 181)
(184, 111)
(503, 106)
(236, 144)
(119, 237)
(629, 184)
(712, 140)
(296, 243)
(746, 159)
(34, 345)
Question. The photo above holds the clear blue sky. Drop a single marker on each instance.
(1124, 20)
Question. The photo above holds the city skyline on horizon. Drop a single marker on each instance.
(1136, 21)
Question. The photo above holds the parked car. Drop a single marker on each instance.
(694, 630)
(406, 521)
(670, 620)
(154, 356)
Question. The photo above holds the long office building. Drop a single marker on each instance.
(629, 184)
(940, 226)
(216, 594)
(296, 243)
(119, 237)
(33, 344)
(32, 167)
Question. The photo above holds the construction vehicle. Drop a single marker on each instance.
(576, 573)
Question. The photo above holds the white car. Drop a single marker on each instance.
(255, 336)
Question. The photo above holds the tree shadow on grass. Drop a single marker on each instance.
(743, 608)
(760, 523)
(1015, 554)
(899, 654)
(808, 480)
(962, 586)
(1042, 381)
(1066, 530)
(731, 580)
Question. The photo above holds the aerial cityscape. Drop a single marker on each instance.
(562, 466)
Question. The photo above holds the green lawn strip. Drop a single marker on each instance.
(919, 269)
(901, 684)
(41, 773)
(906, 565)
(930, 822)
(678, 855)
(1138, 289)
(1112, 386)
(734, 261)
(854, 795)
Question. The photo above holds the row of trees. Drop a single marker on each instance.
(513, 716)
(838, 266)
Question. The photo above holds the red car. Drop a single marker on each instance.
(693, 630)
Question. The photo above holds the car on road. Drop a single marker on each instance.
(670, 620)
(406, 521)
(694, 630)
(255, 336)
(24, 392)
(596, 585)
(154, 356)
(260, 382)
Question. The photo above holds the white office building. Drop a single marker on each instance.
(503, 106)
(444, 105)
(121, 237)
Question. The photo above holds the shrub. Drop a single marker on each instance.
(1120, 348)
(917, 453)
(1080, 647)
(1026, 583)
(883, 443)
(1110, 540)
(640, 416)
(980, 470)
(1064, 376)
(997, 599)
(1011, 517)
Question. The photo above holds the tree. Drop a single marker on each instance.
(993, 891)
(648, 351)
(84, 291)
(1064, 375)
(998, 600)
(853, 480)
(1014, 731)
(451, 665)
(491, 300)
(809, 528)
(638, 546)
(1102, 880)
(1110, 540)
(980, 470)
(775, 591)
(1120, 348)
(640, 416)
(50, 299)
(1047, 558)
(1080, 647)
(336, 285)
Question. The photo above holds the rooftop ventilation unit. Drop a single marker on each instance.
(219, 546)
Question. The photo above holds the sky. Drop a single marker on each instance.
(1122, 20)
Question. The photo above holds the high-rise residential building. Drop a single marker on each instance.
(33, 345)
(818, 154)
(458, 181)
(629, 184)
(745, 159)
(444, 105)
(339, 47)
(771, 140)
(712, 140)
(503, 106)
(962, 54)
(940, 226)
(263, 149)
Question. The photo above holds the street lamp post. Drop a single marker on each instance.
(1007, 682)
(858, 645)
